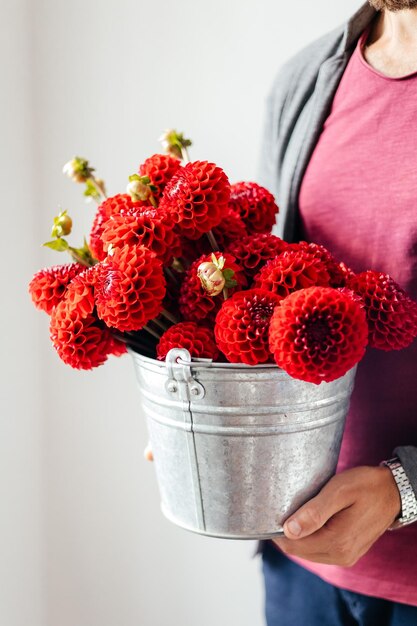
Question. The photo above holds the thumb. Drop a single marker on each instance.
(316, 512)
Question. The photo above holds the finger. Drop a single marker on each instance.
(334, 544)
(147, 453)
(316, 548)
(316, 512)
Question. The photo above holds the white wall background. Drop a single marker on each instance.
(82, 540)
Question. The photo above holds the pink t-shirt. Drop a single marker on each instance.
(359, 199)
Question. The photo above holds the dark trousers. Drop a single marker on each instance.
(296, 597)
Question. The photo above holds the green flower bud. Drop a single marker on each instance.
(138, 191)
(78, 169)
(62, 225)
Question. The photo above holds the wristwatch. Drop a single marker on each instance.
(408, 513)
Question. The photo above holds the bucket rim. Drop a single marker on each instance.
(208, 364)
(203, 363)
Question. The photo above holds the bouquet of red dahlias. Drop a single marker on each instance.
(185, 259)
(183, 270)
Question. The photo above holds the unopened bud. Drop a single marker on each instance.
(62, 225)
(78, 169)
(170, 143)
(174, 142)
(138, 191)
(211, 277)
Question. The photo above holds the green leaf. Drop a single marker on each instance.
(82, 166)
(228, 273)
(90, 189)
(83, 254)
(134, 177)
(230, 282)
(60, 245)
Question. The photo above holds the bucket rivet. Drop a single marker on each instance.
(194, 391)
(172, 387)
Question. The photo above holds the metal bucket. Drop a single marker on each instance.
(237, 449)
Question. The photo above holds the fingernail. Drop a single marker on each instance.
(293, 527)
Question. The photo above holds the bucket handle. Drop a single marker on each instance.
(178, 363)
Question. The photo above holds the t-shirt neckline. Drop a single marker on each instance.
(360, 52)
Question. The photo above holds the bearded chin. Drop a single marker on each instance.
(393, 5)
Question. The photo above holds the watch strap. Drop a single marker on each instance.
(408, 513)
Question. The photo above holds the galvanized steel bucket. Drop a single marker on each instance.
(237, 449)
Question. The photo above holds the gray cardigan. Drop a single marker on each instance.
(297, 107)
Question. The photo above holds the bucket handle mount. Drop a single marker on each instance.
(178, 363)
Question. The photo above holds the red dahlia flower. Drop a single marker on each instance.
(338, 272)
(80, 295)
(195, 304)
(149, 227)
(160, 168)
(253, 251)
(130, 288)
(197, 196)
(111, 206)
(117, 348)
(292, 270)
(256, 206)
(318, 334)
(197, 339)
(48, 286)
(79, 337)
(391, 313)
(231, 228)
(242, 326)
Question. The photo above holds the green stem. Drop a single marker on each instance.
(185, 154)
(131, 341)
(152, 332)
(180, 264)
(225, 293)
(85, 259)
(79, 259)
(170, 274)
(99, 189)
(169, 316)
(160, 324)
(213, 242)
